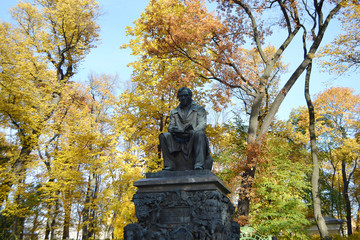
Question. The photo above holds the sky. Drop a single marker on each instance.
(108, 58)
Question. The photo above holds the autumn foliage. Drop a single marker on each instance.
(70, 150)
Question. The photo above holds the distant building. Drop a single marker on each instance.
(334, 226)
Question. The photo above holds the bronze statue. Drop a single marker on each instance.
(185, 146)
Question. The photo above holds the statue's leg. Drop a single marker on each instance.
(169, 162)
(199, 149)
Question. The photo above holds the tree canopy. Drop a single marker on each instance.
(70, 150)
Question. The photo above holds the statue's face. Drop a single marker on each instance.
(184, 98)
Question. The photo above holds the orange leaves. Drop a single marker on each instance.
(173, 29)
(195, 47)
(177, 25)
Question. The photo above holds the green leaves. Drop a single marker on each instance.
(281, 184)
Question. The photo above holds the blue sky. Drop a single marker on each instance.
(110, 59)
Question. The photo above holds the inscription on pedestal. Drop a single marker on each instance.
(175, 215)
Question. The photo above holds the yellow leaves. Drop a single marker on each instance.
(68, 124)
(28, 83)
(336, 112)
(349, 151)
(343, 53)
(141, 115)
(338, 108)
(123, 171)
(59, 29)
(25, 13)
(169, 24)
(84, 151)
(126, 215)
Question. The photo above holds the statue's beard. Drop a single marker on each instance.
(185, 102)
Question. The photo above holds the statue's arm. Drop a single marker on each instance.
(172, 123)
(201, 121)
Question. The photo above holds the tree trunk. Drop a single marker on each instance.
(35, 224)
(358, 216)
(247, 177)
(18, 227)
(88, 214)
(19, 170)
(346, 198)
(316, 165)
(51, 221)
(244, 196)
(67, 216)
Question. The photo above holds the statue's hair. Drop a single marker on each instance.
(183, 89)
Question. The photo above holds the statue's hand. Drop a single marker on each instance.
(174, 129)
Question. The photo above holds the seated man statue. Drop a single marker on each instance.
(185, 146)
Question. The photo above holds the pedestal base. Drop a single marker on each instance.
(182, 205)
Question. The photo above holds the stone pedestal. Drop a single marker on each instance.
(182, 205)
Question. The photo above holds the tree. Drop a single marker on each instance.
(343, 54)
(278, 205)
(38, 57)
(100, 104)
(215, 48)
(337, 111)
(80, 144)
(280, 197)
(320, 221)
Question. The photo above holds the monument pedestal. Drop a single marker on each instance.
(183, 205)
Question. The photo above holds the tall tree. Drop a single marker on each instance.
(278, 206)
(340, 109)
(320, 222)
(38, 57)
(216, 48)
(79, 143)
(337, 124)
(100, 103)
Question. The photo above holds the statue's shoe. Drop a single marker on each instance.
(168, 169)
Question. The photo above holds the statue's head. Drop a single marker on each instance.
(185, 96)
